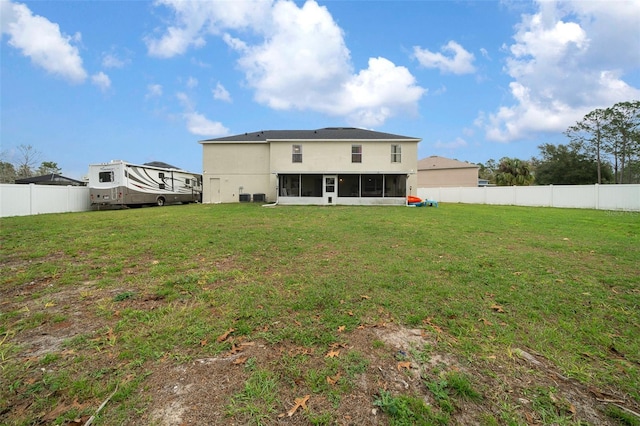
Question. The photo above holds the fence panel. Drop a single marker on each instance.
(619, 197)
(603, 197)
(24, 200)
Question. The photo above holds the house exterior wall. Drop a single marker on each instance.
(234, 168)
(335, 156)
(230, 169)
(442, 178)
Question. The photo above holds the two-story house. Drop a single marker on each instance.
(325, 166)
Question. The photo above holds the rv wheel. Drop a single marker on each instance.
(160, 201)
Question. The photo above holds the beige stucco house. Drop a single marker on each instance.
(440, 172)
(325, 166)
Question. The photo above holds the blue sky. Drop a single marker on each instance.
(91, 81)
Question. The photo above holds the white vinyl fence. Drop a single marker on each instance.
(600, 197)
(24, 200)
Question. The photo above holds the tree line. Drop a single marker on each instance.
(603, 147)
(25, 165)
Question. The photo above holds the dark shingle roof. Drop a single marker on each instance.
(328, 133)
(50, 179)
(161, 165)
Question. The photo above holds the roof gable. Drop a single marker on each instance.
(328, 133)
(438, 163)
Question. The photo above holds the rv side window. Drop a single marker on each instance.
(105, 177)
(187, 182)
(161, 175)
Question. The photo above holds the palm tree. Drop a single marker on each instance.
(513, 171)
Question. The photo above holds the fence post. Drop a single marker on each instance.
(597, 196)
(31, 197)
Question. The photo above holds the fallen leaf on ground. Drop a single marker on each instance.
(485, 321)
(224, 336)
(203, 342)
(497, 308)
(404, 364)
(299, 403)
(234, 349)
(435, 327)
(350, 313)
(332, 353)
(333, 380)
(341, 329)
(365, 297)
(80, 421)
(240, 360)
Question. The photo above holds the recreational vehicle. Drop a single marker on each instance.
(122, 184)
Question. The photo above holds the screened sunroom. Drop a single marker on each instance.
(342, 188)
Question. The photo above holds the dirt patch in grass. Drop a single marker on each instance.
(344, 380)
(398, 360)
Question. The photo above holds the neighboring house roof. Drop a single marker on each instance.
(161, 165)
(50, 179)
(328, 133)
(439, 163)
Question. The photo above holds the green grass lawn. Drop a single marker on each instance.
(562, 283)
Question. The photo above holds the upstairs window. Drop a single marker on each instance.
(296, 153)
(396, 153)
(356, 153)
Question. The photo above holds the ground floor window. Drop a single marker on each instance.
(311, 185)
(300, 185)
(349, 185)
(395, 185)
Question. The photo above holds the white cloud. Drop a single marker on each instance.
(197, 19)
(221, 94)
(455, 144)
(566, 60)
(102, 81)
(154, 91)
(192, 82)
(41, 40)
(458, 60)
(378, 93)
(299, 61)
(110, 60)
(196, 122)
